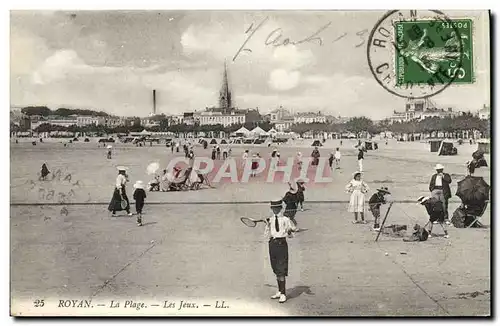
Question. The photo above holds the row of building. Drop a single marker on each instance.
(424, 108)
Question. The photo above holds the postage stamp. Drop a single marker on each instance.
(426, 47)
(419, 54)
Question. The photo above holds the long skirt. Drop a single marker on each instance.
(357, 202)
(116, 201)
(278, 255)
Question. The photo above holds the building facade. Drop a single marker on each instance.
(421, 109)
(214, 118)
(82, 121)
(309, 117)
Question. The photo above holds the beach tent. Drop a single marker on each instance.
(483, 145)
(145, 132)
(213, 141)
(316, 143)
(223, 141)
(237, 141)
(258, 131)
(435, 145)
(242, 131)
(447, 148)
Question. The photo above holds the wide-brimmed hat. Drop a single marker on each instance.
(277, 203)
(356, 173)
(139, 184)
(422, 199)
(109, 147)
(439, 167)
(121, 168)
(300, 180)
(384, 190)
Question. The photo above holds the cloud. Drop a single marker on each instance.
(282, 79)
(290, 57)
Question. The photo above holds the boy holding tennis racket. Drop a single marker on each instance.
(278, 227)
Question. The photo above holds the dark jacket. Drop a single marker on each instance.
(290, 201)
(139, 195)
(376, 200)
(361, 155)
(446, 184)
(435, 209)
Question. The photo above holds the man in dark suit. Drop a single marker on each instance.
(439, 187)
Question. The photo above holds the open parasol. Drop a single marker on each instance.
(153, 168)
(473, 190)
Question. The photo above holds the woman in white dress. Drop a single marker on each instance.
(357, 188)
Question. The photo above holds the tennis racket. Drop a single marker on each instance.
(250, 222)
(123, 204)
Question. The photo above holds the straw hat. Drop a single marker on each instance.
(277, 203)
(356, 173)
(121, 168)
(439, 167)
(109, 147)
(384, 190)
(139, 184)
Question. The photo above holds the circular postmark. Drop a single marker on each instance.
(414, 57)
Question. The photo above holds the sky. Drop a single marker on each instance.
(112, 60)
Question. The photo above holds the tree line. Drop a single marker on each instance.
(63, 112)
(355, 125)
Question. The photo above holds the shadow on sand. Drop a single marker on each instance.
(298, 290)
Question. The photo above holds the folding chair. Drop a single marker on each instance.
(476, 216)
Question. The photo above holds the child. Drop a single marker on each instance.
(214, 153)
(139, 196)
(330, 161)
(300, 194)
(361, 156)
(357, 188)
(291, 199)
(377, 200)
(435, 209)
(255, 165)
(299, 160)
(45, 172)
(337, 158)
(277, 229)
(109, 152)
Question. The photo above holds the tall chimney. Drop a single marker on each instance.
(154, 101)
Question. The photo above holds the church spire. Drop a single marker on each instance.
(225, 94)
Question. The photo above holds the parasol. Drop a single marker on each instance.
(153, 168)
(473, 190)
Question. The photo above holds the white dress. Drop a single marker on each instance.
(358, 189)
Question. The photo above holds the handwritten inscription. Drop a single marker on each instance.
(276, 37)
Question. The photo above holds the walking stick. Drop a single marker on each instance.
(383, 222)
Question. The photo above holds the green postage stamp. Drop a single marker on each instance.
(434, 52)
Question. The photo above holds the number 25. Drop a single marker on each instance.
(38, 303)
